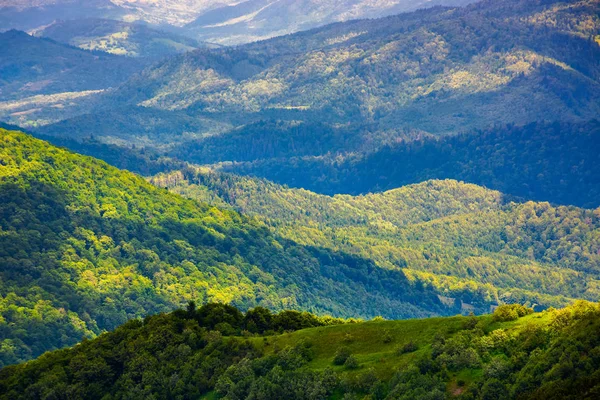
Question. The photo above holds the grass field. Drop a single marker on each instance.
(377, 344)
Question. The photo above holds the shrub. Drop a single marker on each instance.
(407, 348)
(387, 337)
(341, 356)
(510, 312)
(351, 362)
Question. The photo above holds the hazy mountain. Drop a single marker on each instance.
(174, 12)
(439, 70)
(26, 15)
(253, 20)
(30, 66)
(223, 21)
(118, 37)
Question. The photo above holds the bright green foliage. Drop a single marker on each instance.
(84, 247)
(473, 245)
(178, 356)
(510, 312)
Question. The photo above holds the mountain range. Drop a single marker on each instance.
(437, 71)
(187, 212)
(254, 20)
(219, 21)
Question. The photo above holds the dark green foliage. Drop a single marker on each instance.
(387, 337)
(555, 162)
(139, 160)
(552, 355)
(272, 139)
(341, 356)
(279, 376)
(351, 362)
(407, 348)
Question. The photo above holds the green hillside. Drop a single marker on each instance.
(84, 247)
(202, 354)
(468, 242)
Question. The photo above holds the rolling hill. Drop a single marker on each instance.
(548, 161)
(468, 242)
(35, 66)
(201, 353)
(84, 247)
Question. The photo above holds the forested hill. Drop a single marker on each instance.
(557, 162)
(84, 247)
(118, 37)
(31, 66)
(209, 353)
(472, 244)
(439, 70)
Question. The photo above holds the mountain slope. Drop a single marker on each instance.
(33, 14)
(117, 37)
(84, 247)
(31, 66)
(466, 241)
(439, 70)
(226, 21)
(253, 20)
(140, 126)
(510, 355)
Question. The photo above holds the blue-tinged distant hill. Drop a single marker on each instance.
(31, 66)
(118, 37)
